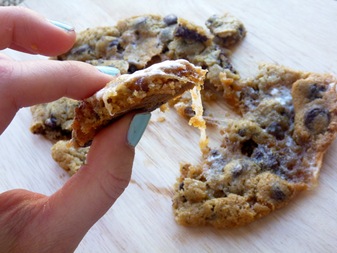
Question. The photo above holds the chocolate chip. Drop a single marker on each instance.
(141, 84)
(315, 91)
(211, 20)
(266, 158)
(238, 169)
(115, 43)
(189, 34)
(317, 120)
(214, 153)
(137, 33)
(51, 122)
(277, 194)
(189, 111)
(165, 49)
(132, 69)
(140, 21)
(65, 134)
(276, 130)
(170, 19)
(241, 31)
(248, 147)
(242, 132)
(81, 49)
(219, 194)
(250, 97)
(231, 40)
(217, 160)
(181, 186)
(225, 63)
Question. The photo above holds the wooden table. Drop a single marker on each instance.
(301, 34)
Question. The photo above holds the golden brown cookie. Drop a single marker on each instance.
(228, 30)
(138, 42)
(69, 158)
(289, 119)
(144, 90)
(54, 120)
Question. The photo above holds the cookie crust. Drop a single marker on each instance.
(289, 118)
(144, 90)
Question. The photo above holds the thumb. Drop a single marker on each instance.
(88, 195)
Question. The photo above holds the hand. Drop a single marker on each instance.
(31, 222)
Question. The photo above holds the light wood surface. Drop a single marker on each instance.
(301, 34)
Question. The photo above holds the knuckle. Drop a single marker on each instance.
(73, 68)
(8, 82)
(113, 186)
(6, 71)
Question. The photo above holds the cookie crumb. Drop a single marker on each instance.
(161, 119)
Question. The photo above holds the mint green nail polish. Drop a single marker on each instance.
(108, 70)
(63, 26)
(137, 128)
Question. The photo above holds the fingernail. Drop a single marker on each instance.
(108, 70)
(137, 128)
(63, 26)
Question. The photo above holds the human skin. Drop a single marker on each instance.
(32, 222)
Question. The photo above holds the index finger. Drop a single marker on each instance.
(33, 82)
(24, 30)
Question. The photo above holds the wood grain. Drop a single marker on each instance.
(300, 34)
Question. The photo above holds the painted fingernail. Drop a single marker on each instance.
(108, 70)
(63, 26)
(137, 128)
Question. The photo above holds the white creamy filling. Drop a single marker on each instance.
(282, 95)
(155, 70)
(197, 120)
(333, 86)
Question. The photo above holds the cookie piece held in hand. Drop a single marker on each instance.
(143, 90)
(138, 42)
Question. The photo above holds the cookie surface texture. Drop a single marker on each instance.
(144, 90)
(136, 43)
(54, 120)
(69, 158)
(289, 118)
